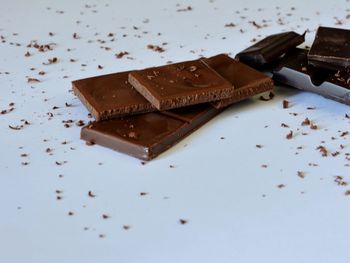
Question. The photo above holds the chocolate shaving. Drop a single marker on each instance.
(17, 128)
(51, 61)
(306, 122)
(155, 48)
(121, 54)
(183, 221)
(301, 174)
(33, 80)
(289, 135)
(188, 8)
(322, 150)
(230, 25)
(90, 194)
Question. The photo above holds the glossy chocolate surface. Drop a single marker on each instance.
(295, 71)
(110, 96)
(270, 49)
(331, 48)
(246, 80)
(147, 135)
(180, 84)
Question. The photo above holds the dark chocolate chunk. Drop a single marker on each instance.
(270, 49)
(110, 96)
(295, 71)
(246, 81)
(181, 84)
(147, 135)
(331, 48)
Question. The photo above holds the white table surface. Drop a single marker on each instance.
(234, 209)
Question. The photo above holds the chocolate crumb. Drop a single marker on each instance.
(121, 54)
(126, 227)
(322, 150)
(188, 8)
(306, 122)
(313, 126)
(33, 80)
(104, 216)
(281, 186)
(301, 174)
(230, 25)
(289, 135)
(339, 180)
(155, 48)
(183, 221)
(90, 194)
(285, 104)
(51, 61)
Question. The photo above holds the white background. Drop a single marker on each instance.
(234, 209)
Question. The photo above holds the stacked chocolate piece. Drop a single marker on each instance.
(144, 112)
(324, 69)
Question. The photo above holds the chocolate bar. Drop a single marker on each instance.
(110, 96)
(330, 49)
(246, 81)
(145, 136)
(295, 71)
(181, 84)
(270, 49)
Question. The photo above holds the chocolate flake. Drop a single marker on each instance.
(339, 180)
(126, 227)
(322, 150)
(51, 61)
(188, 8)
(155, 48)
(301, 174)
(121, 54)
(289, 135)
(90, 194)
(183, 221)
(306, 122)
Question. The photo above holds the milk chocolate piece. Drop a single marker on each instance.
(270, 49)
(331, 48)
(147, 135)
(295, 71)
(110, 96)
(246, 81)
(180, 84)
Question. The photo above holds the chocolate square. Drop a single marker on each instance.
(110, 96)
(331, 48)
(181, 84)
(247, 81)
